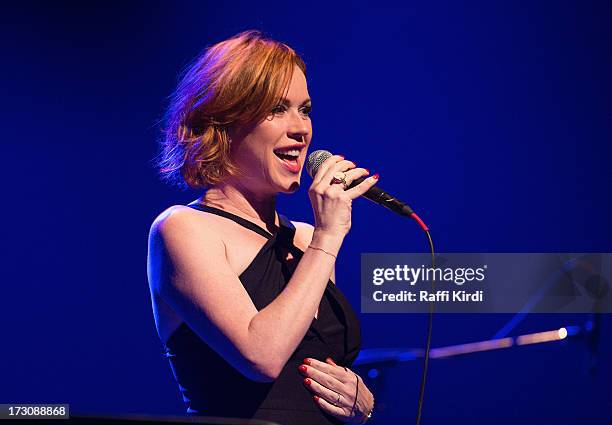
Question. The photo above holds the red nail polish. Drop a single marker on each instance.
(367, 170)
(316, 398)
(376, 176)
(307, 381)
(307, 361)
(302, 368)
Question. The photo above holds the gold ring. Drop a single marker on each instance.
(340, 178)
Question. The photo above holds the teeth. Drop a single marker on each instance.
(293, 152)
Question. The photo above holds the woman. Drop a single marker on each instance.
(244, 300)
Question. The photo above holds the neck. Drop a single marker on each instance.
(233, 196)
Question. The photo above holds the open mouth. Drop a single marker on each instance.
(288, 155)
(289, 158)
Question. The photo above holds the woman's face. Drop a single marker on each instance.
(271, 155)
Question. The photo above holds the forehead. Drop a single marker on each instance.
(298, 87)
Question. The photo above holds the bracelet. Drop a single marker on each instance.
(368, 416)
(319, 249)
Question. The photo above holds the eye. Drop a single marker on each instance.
(279, 109)
(306, 110)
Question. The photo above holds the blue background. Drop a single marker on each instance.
(492, 119)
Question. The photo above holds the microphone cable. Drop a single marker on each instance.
(379, 196)
(431, 313)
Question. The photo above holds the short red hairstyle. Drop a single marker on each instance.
(234, 84)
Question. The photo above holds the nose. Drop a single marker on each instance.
(299, 127)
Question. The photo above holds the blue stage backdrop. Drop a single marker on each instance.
(492, 119)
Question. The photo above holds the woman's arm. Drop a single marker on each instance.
(202, 288)
(303, 238)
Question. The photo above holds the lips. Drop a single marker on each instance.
(290, 163)
(289, 157)
(285, 156)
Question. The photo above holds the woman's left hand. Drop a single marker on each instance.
(334, 389)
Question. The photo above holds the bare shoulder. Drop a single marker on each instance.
(178, 234)
(173, 214)
(182, 227)
(181, 219)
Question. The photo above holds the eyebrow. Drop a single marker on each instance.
(285, 101)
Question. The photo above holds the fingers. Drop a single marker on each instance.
(322, 377)
(331, 388)
(362, 187)
(332, 165)
(326, 165)
(333, 397)
(330, 361)
(351, 175)
(327, 381)
(337, 163)
(330, 408)
(329, 369)
(331, 202)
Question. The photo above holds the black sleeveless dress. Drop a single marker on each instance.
(210, 386)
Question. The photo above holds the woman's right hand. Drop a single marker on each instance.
(331, 204)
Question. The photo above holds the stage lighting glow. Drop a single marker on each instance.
(454, 350)
(539, 337)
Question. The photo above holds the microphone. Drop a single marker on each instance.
(374, 194)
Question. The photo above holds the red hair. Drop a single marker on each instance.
(234, 85)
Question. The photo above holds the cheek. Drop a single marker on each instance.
(265, 134)
(271, 130)
(258, 145)
(259, 139)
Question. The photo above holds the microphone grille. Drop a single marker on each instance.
(314, 161)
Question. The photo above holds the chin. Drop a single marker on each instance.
(292, 188)
(288, 183)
